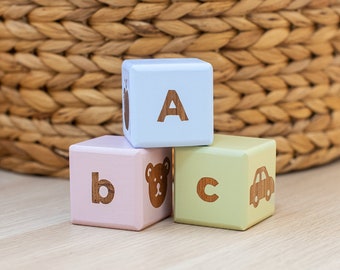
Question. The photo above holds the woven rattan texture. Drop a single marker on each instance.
(276, 72)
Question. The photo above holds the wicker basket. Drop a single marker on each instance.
(276, 72)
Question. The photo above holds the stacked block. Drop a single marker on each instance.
(229, 184)
(117, 186)
(167, 102)
(125, 182)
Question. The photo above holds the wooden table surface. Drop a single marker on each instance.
(304, 233)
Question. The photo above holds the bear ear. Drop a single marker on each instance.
(148, 172)
(166, 165)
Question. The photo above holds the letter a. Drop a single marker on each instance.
(172, 99)
(96, 184)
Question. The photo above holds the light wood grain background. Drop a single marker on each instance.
(304, 233)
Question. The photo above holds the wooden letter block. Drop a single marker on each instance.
(167, 102)
(115, 185)
(229, 184)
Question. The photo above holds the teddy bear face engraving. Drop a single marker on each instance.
(157, 178)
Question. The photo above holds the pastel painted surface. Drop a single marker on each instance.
(230, 163)
(169, 102)
(109, 188)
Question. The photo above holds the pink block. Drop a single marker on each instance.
(115, 185)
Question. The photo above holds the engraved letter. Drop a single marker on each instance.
(202, 183)
(96, 184)
(172, 106)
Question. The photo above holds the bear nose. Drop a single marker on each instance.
(158, 190)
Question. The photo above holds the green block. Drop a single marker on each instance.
(229, 184)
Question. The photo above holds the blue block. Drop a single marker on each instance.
(167, 102)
